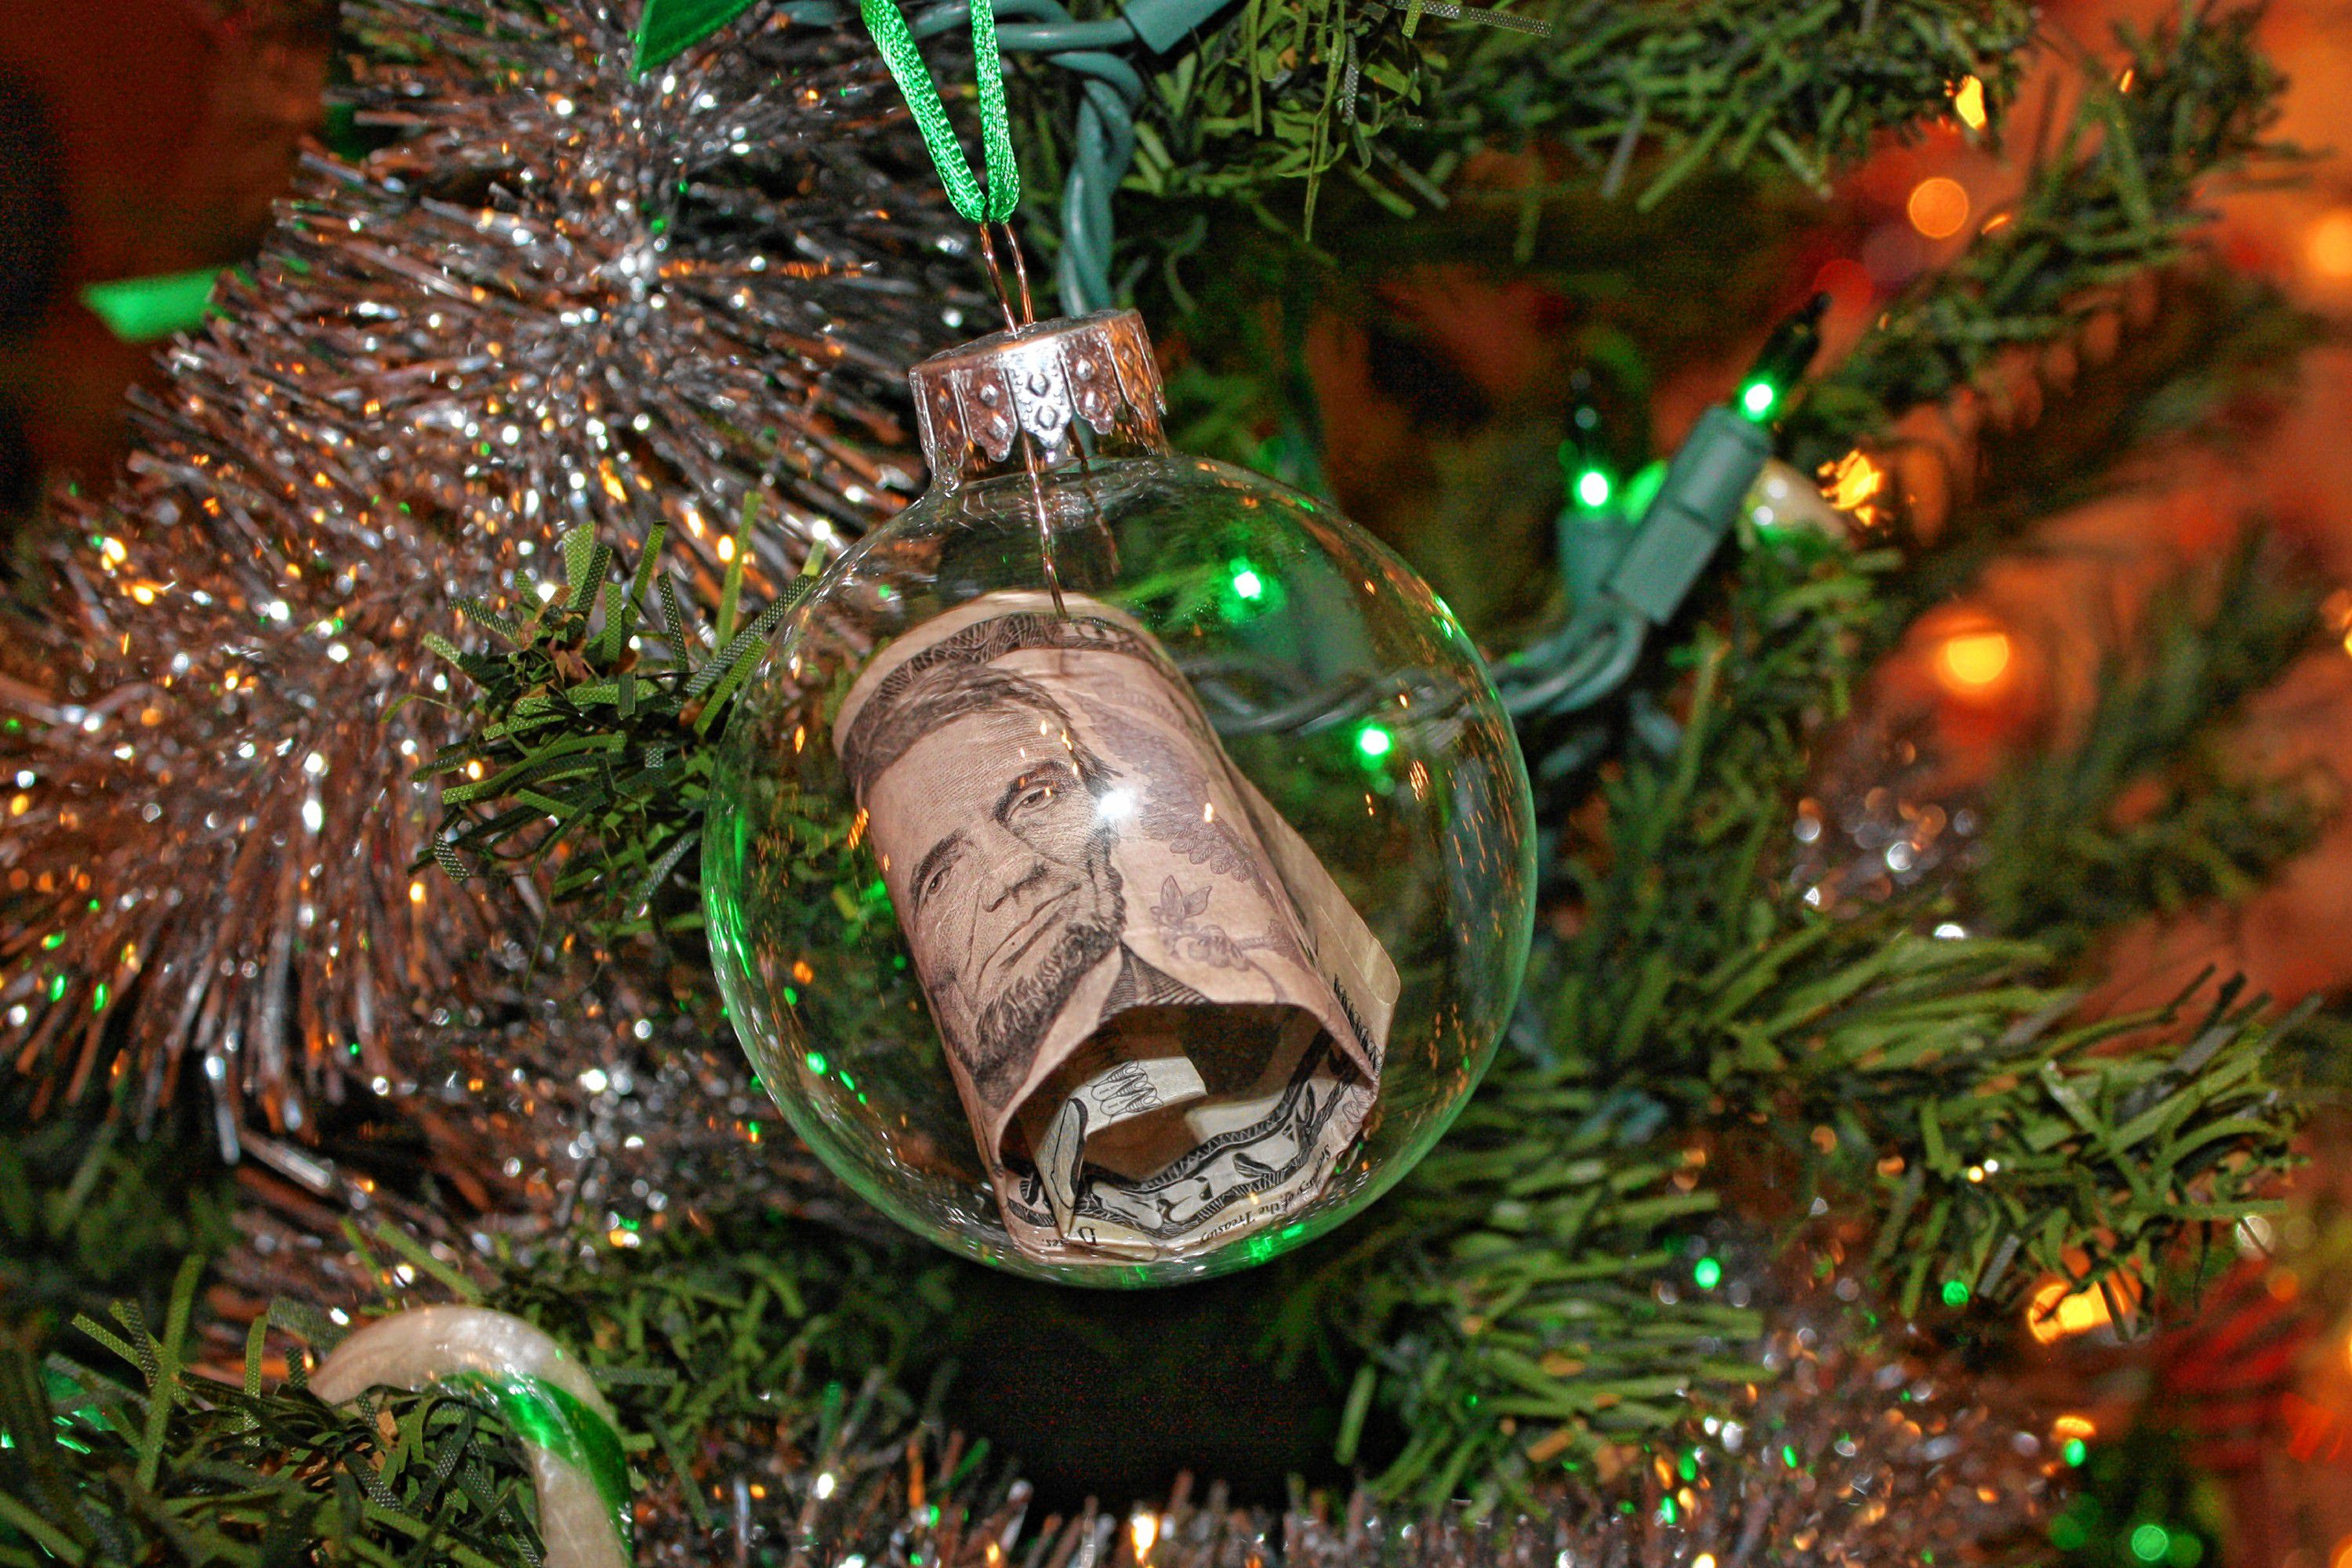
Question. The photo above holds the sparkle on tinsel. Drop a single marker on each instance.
(561, 294)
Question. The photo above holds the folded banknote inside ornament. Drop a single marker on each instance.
(1164, 1019)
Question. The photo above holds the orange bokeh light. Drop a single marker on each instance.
(1938, 207)
(1973, 661)
(2328, 244)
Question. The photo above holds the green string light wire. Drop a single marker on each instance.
(895, 40)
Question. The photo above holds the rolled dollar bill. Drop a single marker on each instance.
(1164, 1020)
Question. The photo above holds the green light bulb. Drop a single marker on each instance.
(1373, 741)
(1757, 398)
(1592, 489)
(1248, 583)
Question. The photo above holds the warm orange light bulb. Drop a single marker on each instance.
(1852, 484)
(2328, 244)
(1938, 207)
(1968, 103)
(2058, 1311)
(1973, 662)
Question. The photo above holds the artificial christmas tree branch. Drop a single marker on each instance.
(1642, 96)
(2147, 813)
(582, 747)
(2117, 197)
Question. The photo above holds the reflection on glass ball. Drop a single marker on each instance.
(1219, 869)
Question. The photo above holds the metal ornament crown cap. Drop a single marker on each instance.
(1043, 379)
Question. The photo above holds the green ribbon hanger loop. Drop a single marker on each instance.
(896, 42)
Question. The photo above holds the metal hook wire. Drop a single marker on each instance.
(1028, 446)
(996, 280)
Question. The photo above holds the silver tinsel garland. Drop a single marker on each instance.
(561, 294)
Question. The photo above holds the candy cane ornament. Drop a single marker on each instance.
(568, 1431)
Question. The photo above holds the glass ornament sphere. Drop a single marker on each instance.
(1342, 693)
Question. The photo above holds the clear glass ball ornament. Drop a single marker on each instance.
(1173, 745)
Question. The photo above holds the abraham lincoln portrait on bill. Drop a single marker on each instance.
(1015, 899)
(1162, 1016)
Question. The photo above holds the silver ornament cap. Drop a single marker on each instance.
(1041, 379)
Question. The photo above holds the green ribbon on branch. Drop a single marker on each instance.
(896, 42)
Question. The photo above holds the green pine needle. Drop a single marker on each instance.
(584, 740)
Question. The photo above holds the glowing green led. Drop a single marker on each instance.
(1757, 398)
(1373, 741)
(1956, 1293)
(816, 1063)
(97, 998)
(1249, 591)
(2075, 1451)
(851, 1084)
(1708, 1274)
(53, 941)
(1593, 489)
(2150, 1542)
(792, 997)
